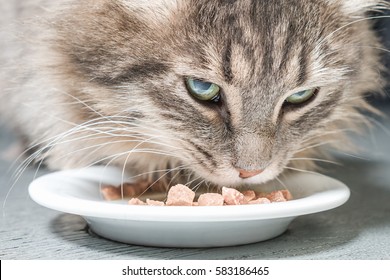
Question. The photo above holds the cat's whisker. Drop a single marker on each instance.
(79, 101)
(197, 186)
(208, 186)
(124, 141)
(192, 178)
(79, 128)
(354, 156)
(134, 151)
(372, 47)
(377, 124)
(351, 23)
(156, 171)
(88, 124)
(128, 156)
(15, 180)
(332, 132)
(109, 118)
(95, 126)
(177, 174)
(315, 159)
(156, 181)
(165, 173)
(195, 179)
(34, 156)
(281, 182)
(316, 145)
(303, 170)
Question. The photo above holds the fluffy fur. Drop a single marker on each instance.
(102, 82)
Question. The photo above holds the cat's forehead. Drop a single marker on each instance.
(239, 18)
(247, 41)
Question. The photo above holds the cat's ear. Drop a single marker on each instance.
(358, 7)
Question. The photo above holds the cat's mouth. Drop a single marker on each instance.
(233, 177)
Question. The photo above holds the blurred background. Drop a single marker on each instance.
(382, 26)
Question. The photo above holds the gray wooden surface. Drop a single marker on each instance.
(360, 229)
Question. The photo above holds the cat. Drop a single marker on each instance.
(224, 92)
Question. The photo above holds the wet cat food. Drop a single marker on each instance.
(125, 190)
(181, 195)
(233, 197)
(210, 199)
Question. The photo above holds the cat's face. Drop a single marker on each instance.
(232, 90)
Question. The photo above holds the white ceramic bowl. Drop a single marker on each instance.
(78, 192)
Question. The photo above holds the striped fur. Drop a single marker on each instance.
(103, 83)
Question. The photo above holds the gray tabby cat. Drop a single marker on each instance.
(228, 91)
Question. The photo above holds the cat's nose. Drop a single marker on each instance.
(244, 174)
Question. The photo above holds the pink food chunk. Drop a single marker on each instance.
(134, 189)
(180, 195)
(152, 202)
(111, 192)
(287, 195)
(276, 196)
(210, 199)
(249, 195)
(136, 201)
(260, 200)
(233, 197)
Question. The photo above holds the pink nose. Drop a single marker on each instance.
(244, 174)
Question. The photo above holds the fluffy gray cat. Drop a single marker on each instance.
(228, 92)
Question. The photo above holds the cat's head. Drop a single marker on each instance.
(234, 90)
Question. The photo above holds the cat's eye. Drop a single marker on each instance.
(204, 91)
(301, 96)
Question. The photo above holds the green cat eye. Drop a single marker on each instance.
(204, 91)
(301, 96)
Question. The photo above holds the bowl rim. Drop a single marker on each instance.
(61, 191)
